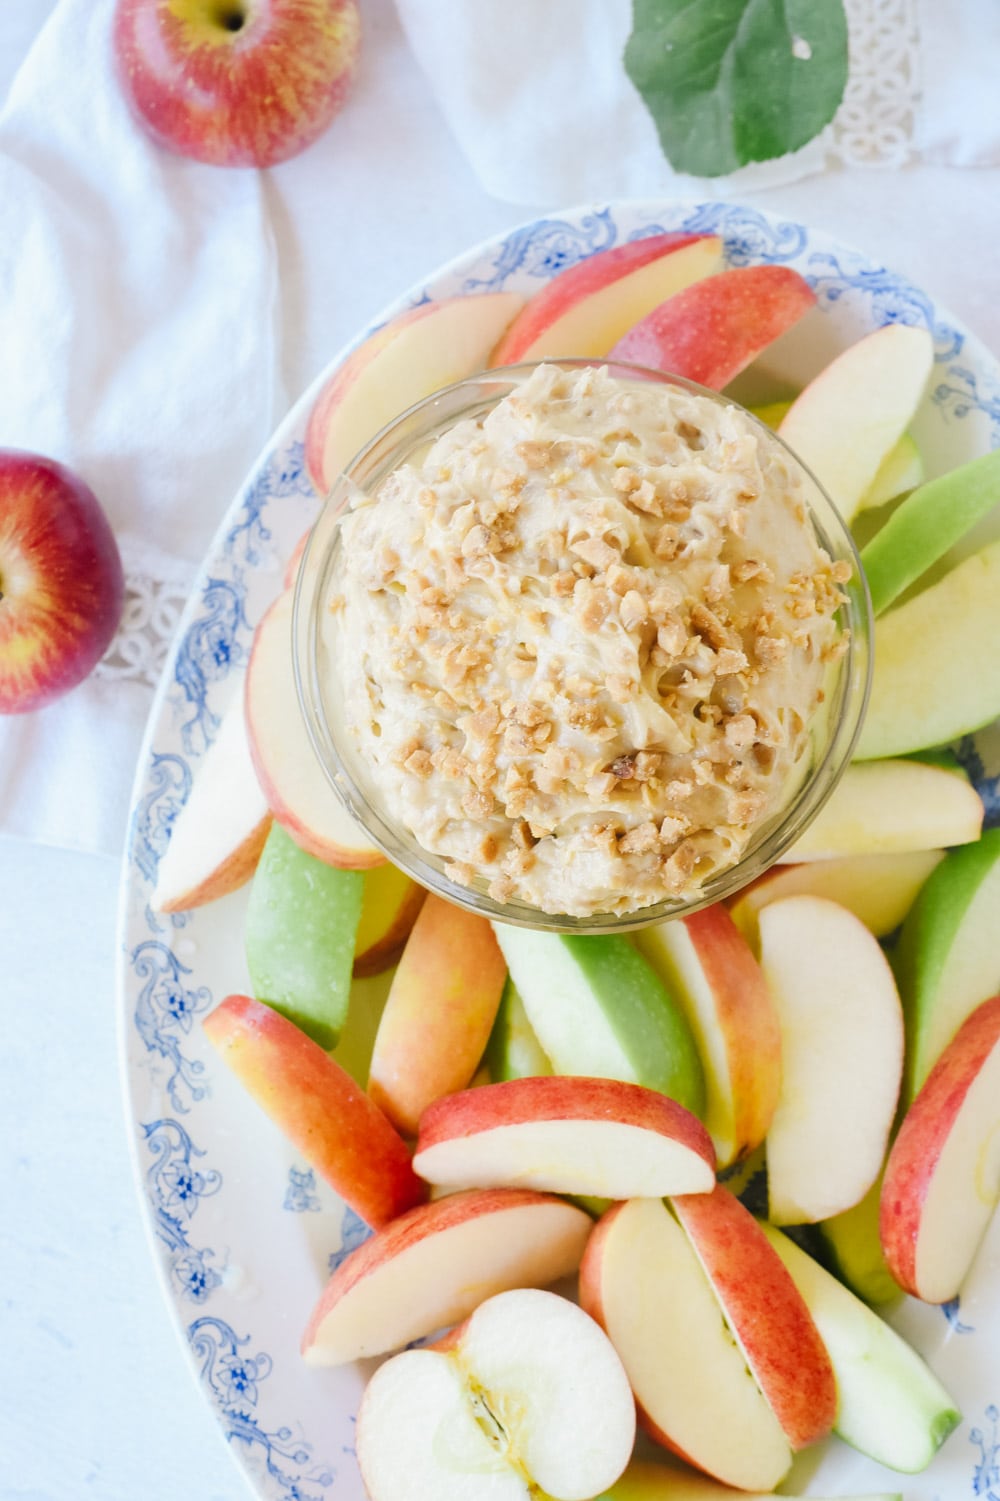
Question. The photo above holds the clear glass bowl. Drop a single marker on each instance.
(833, 733)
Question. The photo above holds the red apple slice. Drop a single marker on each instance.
(292, 566)
(440, 1012)
(431, 1267)
(708, 968)
(641, 1280)
(318, 1106)
(713, 329)
(389, 908)
(217, 837)
(586, 309)
(293, 782)
(765, 1311)
(942, 1180)
(417, 353)
(567, 1135)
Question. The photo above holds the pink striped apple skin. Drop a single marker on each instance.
(318, 1106)
(437, 1255)
(712, 330)
(766, 1312)
(923, 1137)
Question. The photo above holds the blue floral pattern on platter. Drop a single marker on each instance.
(211, 1195)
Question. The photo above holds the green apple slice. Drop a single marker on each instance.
(599, 1010)
(901, 470)
(948, 959)
(937, 668)
(301, 924)
(649, 1480)
(852, 1248)
(927, 523)
(892, 1407)
(513, 1051)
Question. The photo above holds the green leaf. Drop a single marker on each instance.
(729, 82)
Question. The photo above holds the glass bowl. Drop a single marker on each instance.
(833, 732)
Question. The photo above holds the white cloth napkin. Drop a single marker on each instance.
(138, 298)
(540, 103)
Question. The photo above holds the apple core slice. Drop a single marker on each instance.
(567, 1135)
(431, 1267)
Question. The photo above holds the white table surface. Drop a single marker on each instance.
(95, 1398)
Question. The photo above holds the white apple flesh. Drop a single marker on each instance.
(890, 807)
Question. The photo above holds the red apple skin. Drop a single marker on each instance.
(236, 83)
(61, 582)
(712, 330)
(320, 1108)
(922, 1136)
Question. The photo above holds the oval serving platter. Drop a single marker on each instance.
(244, 1234)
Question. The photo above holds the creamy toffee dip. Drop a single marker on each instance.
(581, 641)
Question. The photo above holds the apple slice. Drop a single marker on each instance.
(295, 558)
(599, 1010)
(513, 1051)
(890, 807)
(890, 1405)
(842, 1057)
(878, 889)
(926, 525)
(646, 1481)
(440, 1012)
(715, 328)
(901, 470)
(530, 1399)
(292, 780)
(852, 414)
(389, 907)
(937, 674)
(765, 1311)
(568, 1135)
(942, 1180)
(946, 961)
(586, 309)
(431, 1267)
(709, 969)
(216, 839)
(318, 1106)
(417, 353)
(641, 1280)
(853, 1250)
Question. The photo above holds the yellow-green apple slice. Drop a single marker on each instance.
(946, 961)
(925, 526)
(853, 413)
(318, 1106)
(889, 807)
(642, 1281)
(937, 672)
(292, 780)
(890, 1405)
(301, 923)
(529, 1400)
(708, 967)
(901, 470)
(842, 1057)
(440, 1012)
(942, 1179)
(765, 1311)
(772, 413)
(513, 1051)
(880, 889)
(216, 839)
(599, 1009)
(715, 328)
(417, 353)
(586, 309)
(644, 1480)
(565, 1135)
(853, 1250)
(389, 907)
(431, 1267)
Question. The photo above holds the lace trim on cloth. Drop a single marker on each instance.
(156, 589)
(876, 122)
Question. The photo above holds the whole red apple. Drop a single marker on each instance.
(236, 83)
(61, 581)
